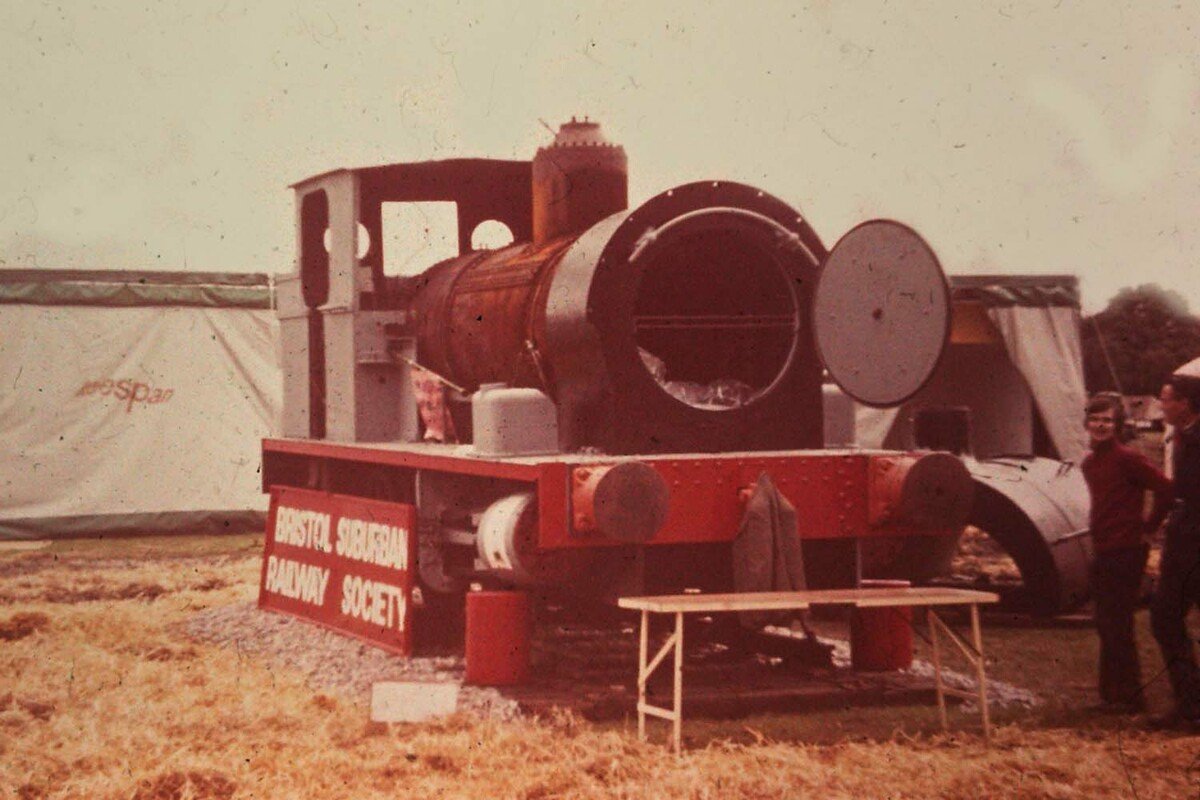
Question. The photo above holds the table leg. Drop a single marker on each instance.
(980, 670)
(937, 668)
(643, 651)
(678, 721)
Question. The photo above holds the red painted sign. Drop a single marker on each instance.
(342, 562)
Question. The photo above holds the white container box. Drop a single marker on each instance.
(512, 422)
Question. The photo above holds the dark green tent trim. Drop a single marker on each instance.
(139, 524)
(121, 289)
(1017, 290)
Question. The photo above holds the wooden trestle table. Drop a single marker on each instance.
(682, 604)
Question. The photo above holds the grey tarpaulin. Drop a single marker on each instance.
(767, 555)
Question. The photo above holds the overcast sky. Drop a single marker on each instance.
(1024, 137)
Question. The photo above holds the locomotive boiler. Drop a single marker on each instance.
(631, 374)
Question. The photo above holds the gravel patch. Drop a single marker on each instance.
(341, 664)
(334, 662)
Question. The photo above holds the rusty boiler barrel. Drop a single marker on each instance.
(475, 313)
(682, 325)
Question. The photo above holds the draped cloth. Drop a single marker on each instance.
(767, 554)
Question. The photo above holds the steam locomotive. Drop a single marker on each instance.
(623, 377)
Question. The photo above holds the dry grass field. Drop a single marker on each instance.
(104, 694)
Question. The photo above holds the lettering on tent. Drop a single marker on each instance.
(125, 390)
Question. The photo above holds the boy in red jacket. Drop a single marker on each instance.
(1118, 478)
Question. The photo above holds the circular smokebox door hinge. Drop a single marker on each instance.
(881, 313)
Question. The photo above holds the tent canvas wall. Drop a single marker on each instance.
(1014, 359)
(134, 402)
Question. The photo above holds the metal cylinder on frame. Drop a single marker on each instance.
(497, 638)
(881, 638)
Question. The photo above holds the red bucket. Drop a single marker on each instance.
(881, 638)
(497, 634)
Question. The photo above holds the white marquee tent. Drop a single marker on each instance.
(134, 402)
(1014, 360)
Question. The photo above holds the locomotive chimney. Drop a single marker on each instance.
(578, 180)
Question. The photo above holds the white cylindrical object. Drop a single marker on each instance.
(509, 421)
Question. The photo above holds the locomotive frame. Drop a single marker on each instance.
(646, 490)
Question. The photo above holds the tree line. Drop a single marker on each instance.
(1142, 335)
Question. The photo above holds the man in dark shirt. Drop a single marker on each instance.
(1118, 479)
(1179, 583)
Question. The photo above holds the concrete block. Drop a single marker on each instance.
(412, 701)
